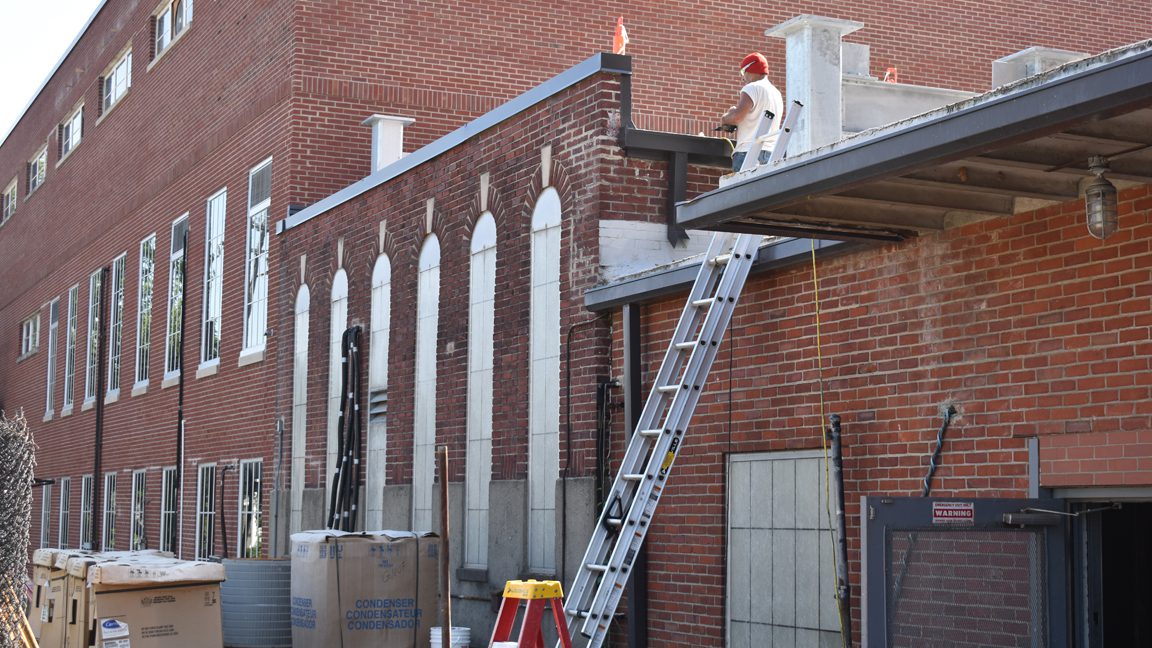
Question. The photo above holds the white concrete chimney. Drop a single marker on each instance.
(813, 64)
(1028, 62)
(387, 139)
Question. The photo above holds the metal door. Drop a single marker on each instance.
(955, 572)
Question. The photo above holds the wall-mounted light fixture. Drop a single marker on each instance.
(1100, 200)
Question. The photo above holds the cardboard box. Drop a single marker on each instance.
(78, 629)
(364, 590)
(148, 601)
(43, 607)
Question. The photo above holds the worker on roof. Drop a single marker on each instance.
(757, 95)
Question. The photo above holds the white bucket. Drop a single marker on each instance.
(461, 637)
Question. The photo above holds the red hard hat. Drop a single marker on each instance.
(754, 63)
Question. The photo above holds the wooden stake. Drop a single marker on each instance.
(445, 557)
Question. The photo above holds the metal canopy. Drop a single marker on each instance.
(1020, 147)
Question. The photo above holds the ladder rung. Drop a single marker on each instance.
(669, 388)
(596, 568)
(614, 522)
(722, 259)
(684, 346)
(651, 433)
(703, 302)
(633, 476)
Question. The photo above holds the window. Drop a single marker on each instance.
(544, 382)
(424, 418)
(9, 202)
(116, 326)
(378, 340)
(37, 170)
(481, 322)
(300, 408)
(116, 82)
(171, 21)
(65, 511)
(139, 494)
(213, 277)
(108, 539)
(50, 387)
(170, 487)
(70, 345)
(256, 259)
(249, 528)
(71, 132)
(174, 353)
(144, 308)
(30, 335)
(92, 364)
(205, 511)
(86, 512)
(46, 515)
(337, 323)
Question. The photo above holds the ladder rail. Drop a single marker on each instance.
(637, 449)
(660, 461)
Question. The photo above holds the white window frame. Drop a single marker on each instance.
(108, 530)
(544, 382)
(116, 81)
(71, 132)
(146, 289)
(8, 202)
(50, 377)
(172, 19)
(205, 510)
(37, 171)
(337, 323)
(138, 539)
(256, 264)
(424, 419)
(177, 281)
(30, 335)
(91, 362)
(116, 325)
(481, 329)
(169, 496)
(375, 475)
(250, 512)
(70, 348)
(46, 515)
(299, 407)
(215, 211)
(64, 512)
(86, 497)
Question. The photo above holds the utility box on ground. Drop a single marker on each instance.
(364, 590)
(44, 606)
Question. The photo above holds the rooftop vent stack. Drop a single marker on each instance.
(387, 139)
(1028, 62)
(813, 63)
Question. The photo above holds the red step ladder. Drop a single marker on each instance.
(535, 593)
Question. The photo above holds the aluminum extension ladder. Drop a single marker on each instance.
(659, 433)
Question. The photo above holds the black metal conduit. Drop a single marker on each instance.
(843, 586)
(98, 445)
(223, 518)
(343, 504)
(180, 401)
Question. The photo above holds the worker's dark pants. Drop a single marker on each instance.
(738, 158)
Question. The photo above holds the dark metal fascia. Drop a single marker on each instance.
(1112, 87)
(701, 149)
(593, 65)
(648, 287)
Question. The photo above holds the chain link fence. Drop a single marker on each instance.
(17, 464)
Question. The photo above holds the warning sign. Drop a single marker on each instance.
(953, 513)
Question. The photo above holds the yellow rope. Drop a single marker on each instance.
(845, 640)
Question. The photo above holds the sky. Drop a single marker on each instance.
(33, 36)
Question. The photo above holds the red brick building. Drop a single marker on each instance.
(242, 126)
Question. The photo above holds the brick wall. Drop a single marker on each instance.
(1027, 325)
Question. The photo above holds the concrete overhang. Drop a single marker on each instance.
(1017, 148)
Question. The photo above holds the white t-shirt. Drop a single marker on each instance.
(764, 96)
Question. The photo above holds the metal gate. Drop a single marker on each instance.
(948, 572)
